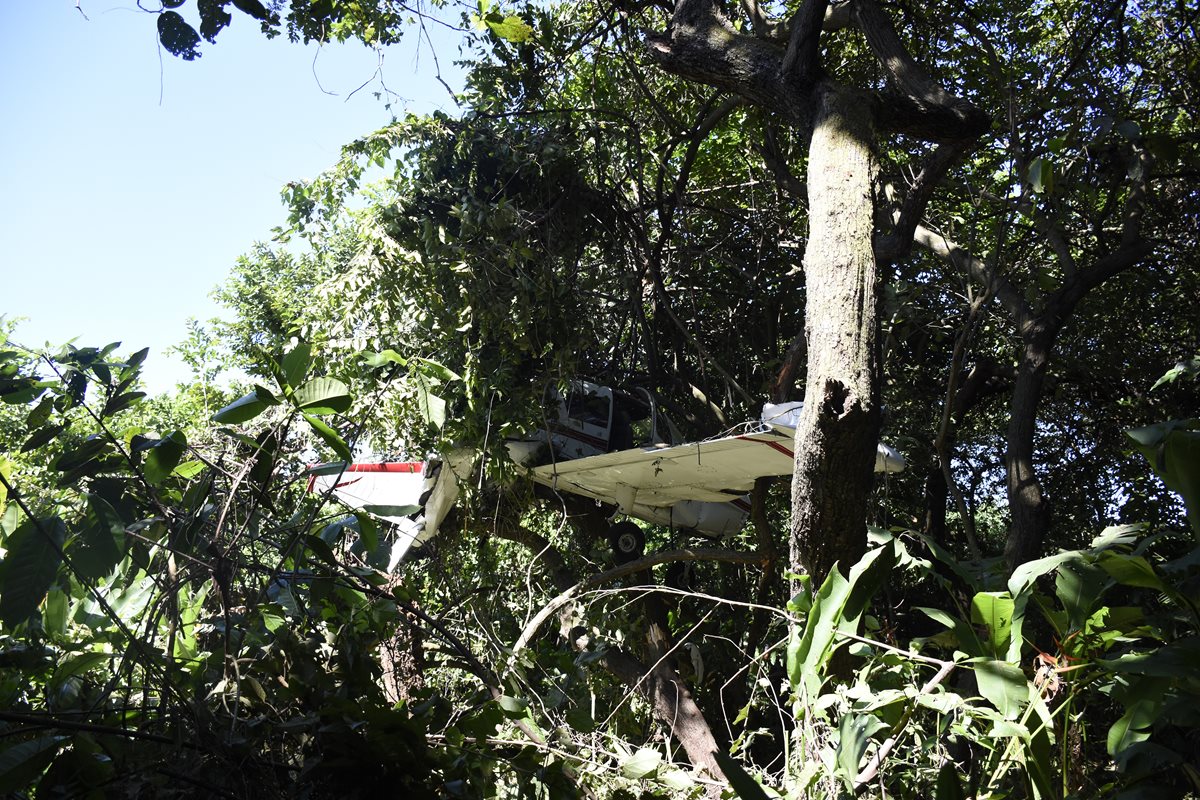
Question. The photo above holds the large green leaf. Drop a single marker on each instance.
(295, 365)
(1136, 723)
(322, 396)
(42, 436)
(743, 784)
(1173, 450)
(994, 610)
(163, 456)
(836, 609)
(29, 568)
(854, 734)
(383, 359)
(1003, 685)
(642, 764)
(1130, 570)
(246, 407)
(330, 437)
(431, 406)
(21, 763)
(96, 546)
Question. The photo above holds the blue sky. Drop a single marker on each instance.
(130, 180)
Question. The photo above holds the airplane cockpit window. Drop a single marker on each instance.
(588, 408)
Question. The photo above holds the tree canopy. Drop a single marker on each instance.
(970, 229)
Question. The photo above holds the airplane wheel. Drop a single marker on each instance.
(628, 541)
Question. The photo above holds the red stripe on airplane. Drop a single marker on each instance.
(394, 466)
(772, 445)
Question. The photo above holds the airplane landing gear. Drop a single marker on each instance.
(627, 540)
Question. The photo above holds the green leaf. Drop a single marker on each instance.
(1136, 723)
(1041, 176)
(79, 664)
(383, 359)
(1173, 450)
(431, 407)
(41, 437)
(330, 468)
(163, 456)
(246, 407)
(73, 459)
(994, 610)
(436, 370)
(296, 364)
(1177, 660)
(854, 734)
(40, 413)
(29, 568)
(25, 761)
(642, 764)
(509, 27)
(189, 469)
(368, 529)
(391, 511)
(330, 437)
(323, 396)
(96, 547)
(320, 548)
(742, 782)
(513, 707)
(836, 608)
(179, 38)
(1002, 684)
(121, 402)
(1130, 570)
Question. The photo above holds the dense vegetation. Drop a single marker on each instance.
(1016, 615)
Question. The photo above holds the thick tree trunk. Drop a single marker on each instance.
(835, 440)
(1026, 503)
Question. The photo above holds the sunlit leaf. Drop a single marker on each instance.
(163, 456)
(246, 407)
(296, 364)
(330, 437)
(323, 396)
(642, 764)
(29, 568)
(1003, 685)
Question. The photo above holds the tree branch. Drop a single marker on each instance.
(922, 105)
(898, 244)
(629, 568)
(803, 56)
(1012, 300)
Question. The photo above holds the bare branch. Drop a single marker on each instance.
(1012, 300)
(898, 244)
(608, 576)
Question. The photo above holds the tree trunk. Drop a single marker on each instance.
(835, 440)
(1026, 503)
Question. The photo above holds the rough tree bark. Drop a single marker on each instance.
(836, 435)
(779, 69)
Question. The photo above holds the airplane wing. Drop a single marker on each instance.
(717, 470)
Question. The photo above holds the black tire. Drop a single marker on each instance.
(627, 540)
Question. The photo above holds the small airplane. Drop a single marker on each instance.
(613, 446)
